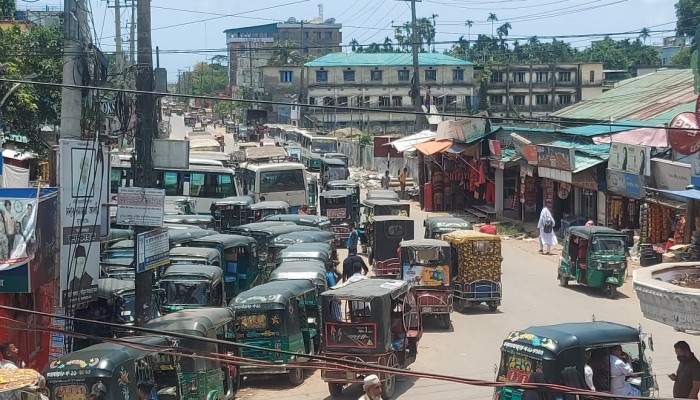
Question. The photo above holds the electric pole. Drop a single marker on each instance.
(118, 33)
(146, 126)
(132, 31)
(75, 29)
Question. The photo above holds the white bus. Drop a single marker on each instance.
(312, 147)
(283, 181)
(204, 182)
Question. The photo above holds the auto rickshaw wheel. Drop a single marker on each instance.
(563, 281)
(610, 291)
(445, 321)
(296, 376)
(493, 307)
(335, 389)
(389, 384)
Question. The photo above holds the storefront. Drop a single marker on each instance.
(628, 167)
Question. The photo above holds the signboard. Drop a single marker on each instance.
(670, 175)
(18, 211)
(84, 177)
(140, 206)
(630, 158)
(419, 275)
(683, 134)
(336, 213)
(625, 184)
(152, 250)
(561, 158)
(358, 336)
(554, 174)
(694, 169)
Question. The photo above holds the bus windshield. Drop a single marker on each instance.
(324, 145)
(282, 181)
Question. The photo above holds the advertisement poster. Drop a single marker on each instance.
(153, 250)
(17, 227)
(630, 158)
(683, 135)
(418, 275)
(561, 158)
(625, 184)
(360, 336)
(84, 177)
(694, 161)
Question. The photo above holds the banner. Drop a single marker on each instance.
(84, 174)
(419, 275)
(630, 158)
(17, 227)
(625, 184)
(683, 133)
(561, 158)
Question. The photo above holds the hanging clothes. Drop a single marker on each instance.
(490, 192)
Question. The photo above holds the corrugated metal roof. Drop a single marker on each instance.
(599, 150)
(383, 59)
(641, 98)
(601, 129)
(583, 162)
(666, 117)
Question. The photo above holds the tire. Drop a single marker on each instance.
(493, 307)
(296, 376)
(610, 291)
(445, 321)
(335, 389)
(389, 385)
(563, 281)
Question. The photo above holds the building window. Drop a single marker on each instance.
(349, 76)
(328, 35)
(496, 99)
(384, 101)
(592, 76)
(518, 77)
(365, 102)
(450, 101)
(404, 75)
(542, 76)
(519, 100)
(321, 76)
(496, 77)
(286, 76)
(565, 76)
(541, 99)
(306, 50)
(430, 75)
(328, 101)
(458, 75)
(318, 35)
(306, 35)
(468, 102)
(438, 101)
(565, 99)
(376, 76)
(343, 101)
(397, 101)
(312, 101)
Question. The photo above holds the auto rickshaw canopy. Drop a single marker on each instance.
(316, 221)
(226, 240)
(256, 226)
(109, 288)
(289, 239)
(233, 201)
(588, 231)
(446, 223)
(195, 252)
(197, 322)
(382, 194)
(270, 205)
(275, 295)
(463, 236)
(208, 272)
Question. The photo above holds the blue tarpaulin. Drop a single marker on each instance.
(693, 194)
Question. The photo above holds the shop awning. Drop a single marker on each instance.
(583, 162)
(433, 147)
(407, 143)
(457, 148)
(652, 137)
(18, 155)
(692, 194)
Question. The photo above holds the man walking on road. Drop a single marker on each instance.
(686, 380)
(351, 262)
(386, 180)
(353, 239)
(373, 388)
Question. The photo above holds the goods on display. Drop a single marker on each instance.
(623, 213)
(661, 223)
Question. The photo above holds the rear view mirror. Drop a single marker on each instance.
(651, 342)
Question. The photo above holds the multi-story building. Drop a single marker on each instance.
(380, 81)
(251, 48)
(539, 89)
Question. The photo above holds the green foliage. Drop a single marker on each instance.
(207, 79)
(682, 58)
(287, 53)
(687, 17)
(365, 139)
(7, 8)
(36, 50)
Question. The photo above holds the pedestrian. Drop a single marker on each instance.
(351, 262)
(10, 356)
(386, 180)
(372, 387)
(686, 380)
(146, 390)
(546, 227)
(620, 369)
(402, 181)
(488, 228)
(303, 210)
(590, 223)
(353, 239)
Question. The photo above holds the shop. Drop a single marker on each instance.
(628, 167)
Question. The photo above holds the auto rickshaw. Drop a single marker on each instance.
(477, 278)
(374, 208)
(435, 227)
(273, 316)
(238, 258)
(375, 321)
(332, 169)
(312, 186)
(385, 236)
(231, 211)
(337, 156)
(382, 194)
(285, 240)
(594, 256)
(180, 237)
(560, 352)
(352, 186)
(203, 378)
(308, 251)
(265, 208)
(339, 207)
(194, 255)
(117, 368)
(247, 228)
(192, 286)
(118, 268)
(316, 221)
(199, 221)
(426, 264)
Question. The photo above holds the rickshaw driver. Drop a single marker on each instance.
(620, 369)
(231, 265)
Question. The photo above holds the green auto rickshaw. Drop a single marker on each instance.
(231, 211)
(309, 251)
(283, 241)
(435, 227)
(192, 286)
(203, 377)
(352, 186)
(273, 316)
(316, 221)
(194, 255)
(594, 256)
(332, 169)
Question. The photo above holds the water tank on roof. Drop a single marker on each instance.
(292, 20)
(20, 15)
(329, 21)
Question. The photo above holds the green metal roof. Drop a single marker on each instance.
(603, 129)
(600, 151)
(666, 117)
(384, 59)
(583, 162)
(641, 98)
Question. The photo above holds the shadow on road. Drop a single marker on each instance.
(434, 325)
(594, 292)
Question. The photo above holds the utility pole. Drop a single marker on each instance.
(118, 34)
(75, 25)
(250, 65)
(132, 34)
(146, 126)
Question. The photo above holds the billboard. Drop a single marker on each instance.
(630, 158)
(561, 158)
(625, 184)
(84, 178)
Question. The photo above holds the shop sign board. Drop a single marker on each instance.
(694, 169)
(630, 158)
(561, 158)
(670, 175)
(625, 184)
(683, 134)
(554, 174)
(153, 250)
(140, 206)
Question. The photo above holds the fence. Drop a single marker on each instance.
(363, 157)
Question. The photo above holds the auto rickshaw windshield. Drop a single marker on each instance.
(127, 308)
(336, 173)
(609, 246)
(187, 292)
(426, 256)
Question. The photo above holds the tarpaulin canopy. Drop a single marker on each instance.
(693, 194)
(407, 143)
(464, 130)
(652, 137)
(433, 147)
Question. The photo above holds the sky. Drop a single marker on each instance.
(188, 32)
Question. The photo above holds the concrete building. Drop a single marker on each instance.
(282, 84)
(671, 46)
(250, 48)
(539, 89)
(383, 80)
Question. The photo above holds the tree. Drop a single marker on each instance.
(469, 23)
(644, 34)
(373, 48)
(219, 59)
(354, 45)
(682, 58)
(502, 32)
(388, 45)
(434, 28)
(687, 17)
(492, 19)
(7, 8)
(286, 53)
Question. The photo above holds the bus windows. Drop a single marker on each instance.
(170, 184)
(324, 146)
(225, 186)
(196, 184)
(282, 181)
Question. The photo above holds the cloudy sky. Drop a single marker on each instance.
(192, 31)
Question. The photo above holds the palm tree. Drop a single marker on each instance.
(433, 16)
(502, 32)
(492, 18)
(533, 40)
(469, 23)
(354, 44)
(374, 48)
(388, 45)
(400, 38)
(462, 47)
(644, 34)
